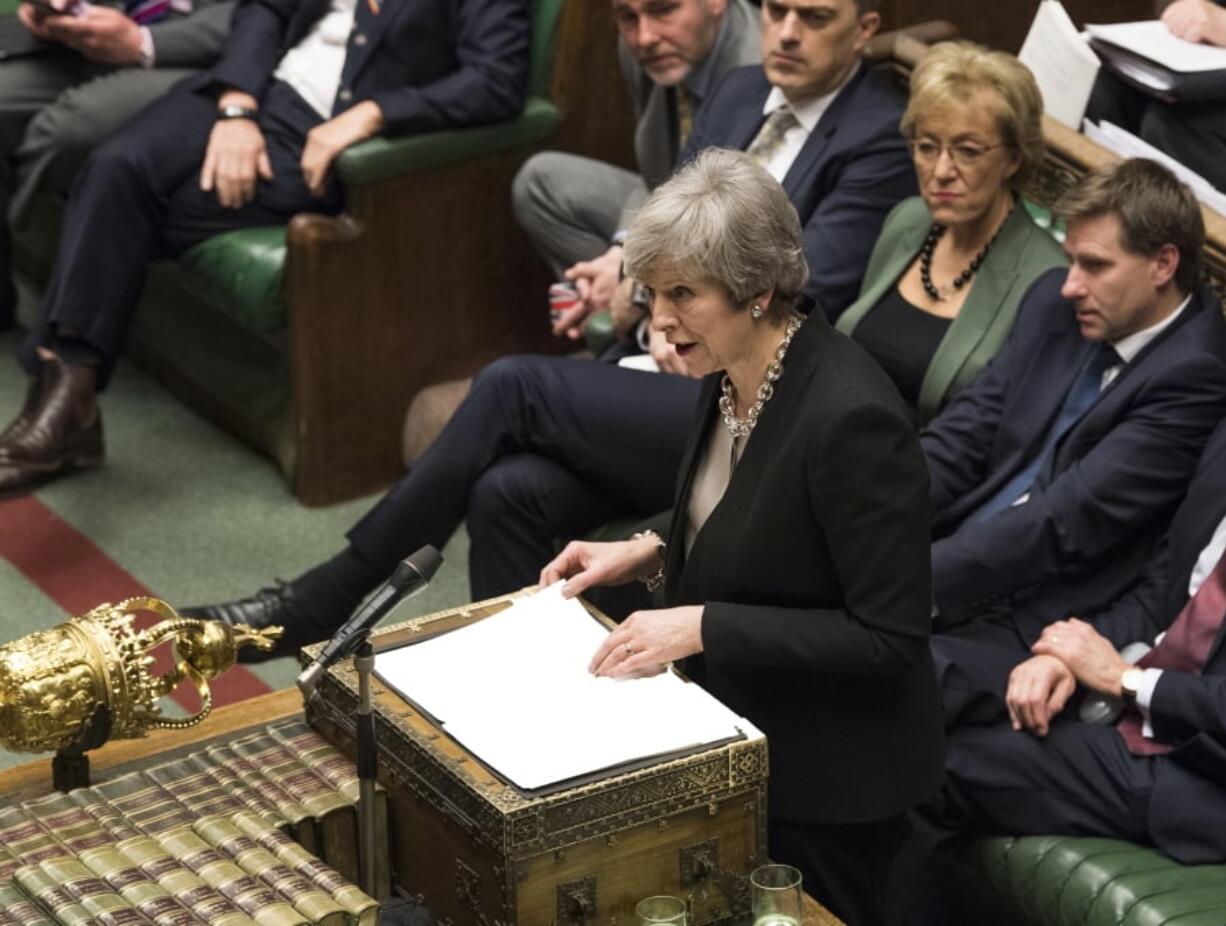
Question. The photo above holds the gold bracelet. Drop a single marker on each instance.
(655, 580)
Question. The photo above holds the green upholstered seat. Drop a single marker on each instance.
(240, 273)
(1062, 881)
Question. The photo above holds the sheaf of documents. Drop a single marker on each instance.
(515, 691)
(1127, 145)
(1062, 62)
(1153, 40)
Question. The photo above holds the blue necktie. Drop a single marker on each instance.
(1080, 399)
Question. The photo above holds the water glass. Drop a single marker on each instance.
(776, 895)
(652, 911)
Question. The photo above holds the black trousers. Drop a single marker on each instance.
(138, 199)
(542, 450)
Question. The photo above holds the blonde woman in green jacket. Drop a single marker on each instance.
(951, 265)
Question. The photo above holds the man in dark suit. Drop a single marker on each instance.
(547, 448)
(575, 209)
(1157, 775)
(251, 142)
(826, 129)
(96, 71)
(1053, 474)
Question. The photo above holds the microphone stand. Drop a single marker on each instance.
(410, 577)
(368, 766)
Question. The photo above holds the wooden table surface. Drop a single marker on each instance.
(34, 778)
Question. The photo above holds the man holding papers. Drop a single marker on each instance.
(1192, 132)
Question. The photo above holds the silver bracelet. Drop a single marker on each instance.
(655, 580)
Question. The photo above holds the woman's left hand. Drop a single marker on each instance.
(647, 641)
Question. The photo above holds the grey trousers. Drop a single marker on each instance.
(571, 206)
(54, 109)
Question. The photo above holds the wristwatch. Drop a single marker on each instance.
(1130, 684)
(236, 112)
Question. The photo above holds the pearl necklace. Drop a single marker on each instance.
(930, 244)
(740, 427)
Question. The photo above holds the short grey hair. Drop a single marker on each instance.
(724, 219)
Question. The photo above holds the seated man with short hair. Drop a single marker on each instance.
(251, 142)
(1055, 472)
(97, 70)
(1155, 777)
(672, 57)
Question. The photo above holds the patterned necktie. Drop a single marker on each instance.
(685, 114)
(769, 139)
(1080, 399)
(1185, 648)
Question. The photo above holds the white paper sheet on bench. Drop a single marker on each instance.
(515, 691)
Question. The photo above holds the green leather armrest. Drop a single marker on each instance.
(241, 273)
(381, 158)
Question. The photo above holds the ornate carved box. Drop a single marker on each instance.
(481, 852)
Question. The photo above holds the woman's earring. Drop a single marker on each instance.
(756, 311)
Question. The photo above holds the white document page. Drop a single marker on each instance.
(1153, 40)
(1063, 64)
(1127, 145)
(515, 691)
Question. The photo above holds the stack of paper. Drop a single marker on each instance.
(515, 691)
(1127, 145)
(1062, 63)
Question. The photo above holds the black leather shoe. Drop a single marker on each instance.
(275, 606)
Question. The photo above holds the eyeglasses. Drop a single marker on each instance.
(966, 156)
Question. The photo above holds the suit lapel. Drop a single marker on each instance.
(371, 19)
(815, 145)
(993, 281)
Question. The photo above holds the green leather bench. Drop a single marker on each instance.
(309, 341)
(1068, 881)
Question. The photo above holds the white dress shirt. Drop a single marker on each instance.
(313, 67)
(808, 113)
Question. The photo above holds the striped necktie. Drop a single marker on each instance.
(769, 140)
(1185, 648)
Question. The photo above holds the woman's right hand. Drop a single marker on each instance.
(584, 564)
(236, 156)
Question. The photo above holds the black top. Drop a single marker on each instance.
(902, 338)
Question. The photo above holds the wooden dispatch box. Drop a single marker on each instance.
(480, 851)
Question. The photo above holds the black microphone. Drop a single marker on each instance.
(410, 577)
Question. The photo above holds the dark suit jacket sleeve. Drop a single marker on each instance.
(192, 41)
(866, 489)
(493, 47)
(1140, 466)
(840, 233)
(1186, 704)
(1137, 615)
(253, 46)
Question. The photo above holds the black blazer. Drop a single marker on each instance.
(814, 572)
(1107, 493)
(429, 64)
(851, 172)
(1187, 810)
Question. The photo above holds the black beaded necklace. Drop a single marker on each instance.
(930, 245)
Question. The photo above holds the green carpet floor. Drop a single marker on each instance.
(189, 512)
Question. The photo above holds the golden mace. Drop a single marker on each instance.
(89, 679)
